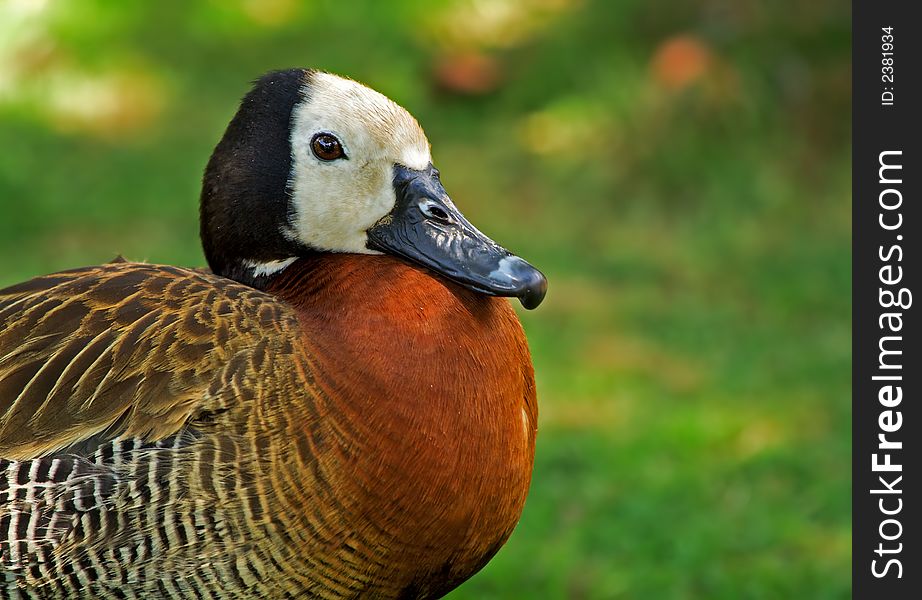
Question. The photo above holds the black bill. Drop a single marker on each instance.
(426, 228)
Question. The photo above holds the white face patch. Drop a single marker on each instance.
(336, 202)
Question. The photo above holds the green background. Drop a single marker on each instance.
(680, 171)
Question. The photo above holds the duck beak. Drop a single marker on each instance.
(426, 228)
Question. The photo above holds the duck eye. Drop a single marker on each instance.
(326, 147)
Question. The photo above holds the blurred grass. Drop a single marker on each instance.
(679, 170)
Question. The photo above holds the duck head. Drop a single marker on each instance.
(313, 162)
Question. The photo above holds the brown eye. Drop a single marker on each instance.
(325, 146)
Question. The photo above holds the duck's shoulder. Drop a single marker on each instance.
(126, 349)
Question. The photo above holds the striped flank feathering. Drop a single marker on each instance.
(90, 360)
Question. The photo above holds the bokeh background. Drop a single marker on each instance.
(679, 169)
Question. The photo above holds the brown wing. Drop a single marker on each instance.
(124, 348)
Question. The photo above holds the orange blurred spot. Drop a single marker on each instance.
(470, 73)
(681, 61)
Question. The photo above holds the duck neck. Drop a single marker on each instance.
(246, 198)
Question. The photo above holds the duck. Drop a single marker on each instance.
(343, 405)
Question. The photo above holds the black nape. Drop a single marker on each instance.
(245, 202)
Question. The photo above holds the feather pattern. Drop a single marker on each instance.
(126, 349)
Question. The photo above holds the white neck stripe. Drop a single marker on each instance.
(270, 267)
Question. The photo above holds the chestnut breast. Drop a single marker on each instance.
(432, 387)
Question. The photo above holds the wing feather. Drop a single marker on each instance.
(125, 349)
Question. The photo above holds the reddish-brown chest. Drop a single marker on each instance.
(428, 390)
